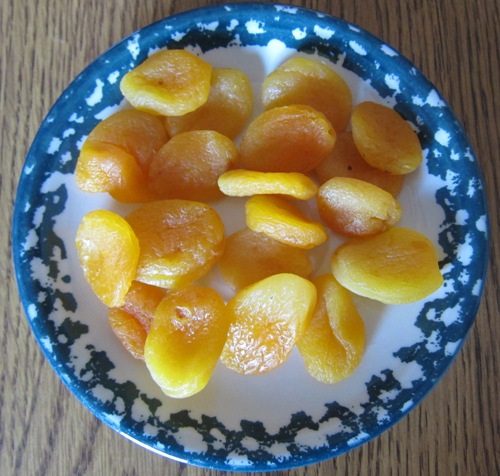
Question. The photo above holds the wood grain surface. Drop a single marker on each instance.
(44, 430)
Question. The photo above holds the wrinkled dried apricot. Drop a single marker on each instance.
(287, 139)
(334, 342)
(116, 155)
(283, 221)
(108, 250)
(311, 82)
(186, 339)
(397, 266)
(180, 241)
(129, 331)
(244, 183)
(169, 83)
(267, 318)
(190, 163)
(384, 139)
(227, 109)
(355, 208)
(346, 161)
(250, 257)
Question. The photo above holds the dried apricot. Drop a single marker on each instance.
(397, 266)
(129, 331)
(244, 183)
(384, 139)
(186, 339)
(108, 250)
(346, 161)
(180, 241)
(334, 342)
(355, 208)
(311, 82)
(267, 318)
(116, 155)
(169, 83)
(227, 109)
(250, 257)
(190, 163)
(283, 221)
(287, 139)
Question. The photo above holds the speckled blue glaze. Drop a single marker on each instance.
(75, 344)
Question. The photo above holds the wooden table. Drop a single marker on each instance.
(44, 430)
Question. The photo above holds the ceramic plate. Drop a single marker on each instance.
(283, 419)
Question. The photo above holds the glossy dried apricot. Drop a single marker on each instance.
(384, 139)
(116, 155)
(189, 165)
(283, 221)
(267, 318)
(395, 267)
(311, 82)
(169, 83)
(287, 139)
(244, 183)
(356, 208)
(180, 241)
(227, 109)
(346, 161)
(108, 250)
(186, 339)
(129, 331)
(334, 342)
(250, 257)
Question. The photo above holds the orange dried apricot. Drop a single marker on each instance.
(169, 83)
(116, 155)
(346, 161)
(186, 339)
(384, 139)
(108, 250)
(180, 241)
(283, 221)
(227, 109)
(267, 318)
(397, 266)
(334, 342)
(355, 208)
(293, 138)
(190, 163)
(129, 331)
(244, 183)
(250, 257)
(311, 82)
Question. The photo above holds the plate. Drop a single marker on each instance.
(283, 419)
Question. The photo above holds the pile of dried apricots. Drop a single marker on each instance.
(174, 150)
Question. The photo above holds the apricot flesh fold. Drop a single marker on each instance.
(186, 339)
(244, 183)
(283, 221)
(334, 342)
(267, 318)
(397, 266)
(108, 250)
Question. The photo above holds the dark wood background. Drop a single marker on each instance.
(44, 430)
